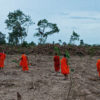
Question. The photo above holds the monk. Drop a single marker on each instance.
(98, 67)
(56, 63)
(24, 62)
(64, 67)
(2, 59)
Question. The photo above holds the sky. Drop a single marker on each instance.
(82, 16)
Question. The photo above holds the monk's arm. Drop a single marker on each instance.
(97, 64)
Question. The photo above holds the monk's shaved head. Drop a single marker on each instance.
(64, 55)
(22, 52)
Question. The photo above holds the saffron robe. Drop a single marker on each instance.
(57, 63)
(2, 59)
(64, 66)
(24, 63)
(98, 66)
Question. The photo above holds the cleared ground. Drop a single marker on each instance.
(42, 83)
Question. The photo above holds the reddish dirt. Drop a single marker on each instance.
(48, 49)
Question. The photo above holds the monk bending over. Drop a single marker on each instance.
(2, 59)
(56, 63)
(24, 62)
(98, 67)
(64, 67)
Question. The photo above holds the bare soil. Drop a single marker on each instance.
(42, 83)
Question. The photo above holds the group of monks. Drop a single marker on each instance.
(23, 61)
(63, 64)
(65, 67)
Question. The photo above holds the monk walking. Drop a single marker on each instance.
(64, 67)
(24, 62)
(2, 59)
(98, 67)
(56, 63)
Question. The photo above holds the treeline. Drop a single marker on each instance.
(18, 25)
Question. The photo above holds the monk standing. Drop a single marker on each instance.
(64, 67)
(2, 59)
(24, 62)
(98, 67)
(56, 62)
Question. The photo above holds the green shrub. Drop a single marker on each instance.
(25, 44)
(32, 44)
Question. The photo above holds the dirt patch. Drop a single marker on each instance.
(42, 83)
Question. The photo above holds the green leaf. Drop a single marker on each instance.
(72, 70)
(45, 29)
(15, 61)
(57, 50)
(67, 54)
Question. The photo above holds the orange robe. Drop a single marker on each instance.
(57, 63)
(64, 66)
(98, 66)
(2, 59)
(24, 63)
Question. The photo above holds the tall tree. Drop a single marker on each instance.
(74, 37)
(81, 42)
(17, 23)
(45, 29)
(2, 38)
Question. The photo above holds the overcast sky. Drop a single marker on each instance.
(82, 16)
